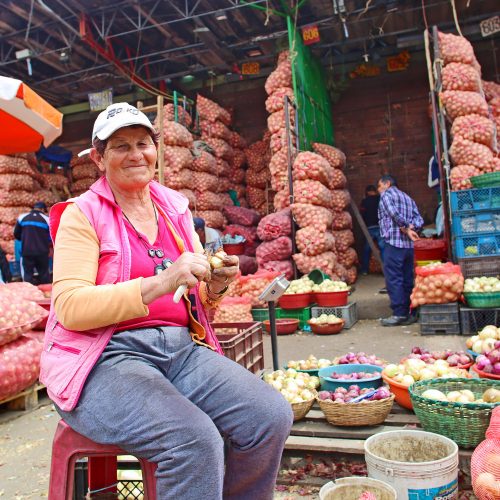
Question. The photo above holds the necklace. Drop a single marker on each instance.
(152, 252)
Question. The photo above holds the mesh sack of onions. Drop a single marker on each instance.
(203, 181)
(337, 180)
(475, 128)
(26, 291)
(177, 158)
(257, 179)
(7, 246)
(237, 175)
(343, 240)
(215, 129)
(456, 48)
(221, 148)
(339, 272)
(239, 189)
(279, 181)
(16, 198)
(460, 176)
(19, 365)
(183, 116)
(276, 101)
(248, 264)
(275, 225)
(241, 216)
(460, 103)
(210, 110)
(206, 200)
(283, 56)
(312, 166)
(15, 165)
(234, 310)
(190, 196)
(248, 232)
(279, 163)
(281, 199)
(340, 199)
(312, 215)
(180, 180)
(11, 182)
(306, 263)
(282, 266)
(255, 196)
(495, 106)
(312, 241)
(253, 285)
(351, 275)
(212, 218)
(335, 157)
(236, 140)
(222, 169)
(238, 160)
(459, 76)
(464, 152)
(224, 185)
(85, 170)
(256, 154)
(312, 192)
(48, 197)
(203, 161)
(341, 220)
(280, 77)
(175, 134)
(9, 215)
(277, 121)
(6, 231)
(347, 258)
(278, 249)
(82, 184)
(491, 90)
(54, 180)
(279, 141)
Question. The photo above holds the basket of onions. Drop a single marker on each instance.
(356, 406)
(488, 364)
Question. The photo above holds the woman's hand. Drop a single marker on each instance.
(225, 275)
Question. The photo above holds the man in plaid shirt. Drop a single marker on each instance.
(399, 222)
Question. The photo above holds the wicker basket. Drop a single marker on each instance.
(465, 423)
(356, 414)
(300, 410)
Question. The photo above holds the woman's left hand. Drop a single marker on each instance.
(224, 275)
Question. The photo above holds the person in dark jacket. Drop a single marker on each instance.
(32, 229)
(5, 275)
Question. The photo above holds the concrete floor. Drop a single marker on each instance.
(26, 437)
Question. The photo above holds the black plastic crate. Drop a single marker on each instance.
(474, 320)
(439, 314)
(480, 266)
(440, 329)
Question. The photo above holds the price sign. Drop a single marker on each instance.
(490, 26)
(310, 34)
(100, 100)
(250, 68)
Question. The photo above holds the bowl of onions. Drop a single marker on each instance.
(365, 376)
(488, 364)
(359, 358)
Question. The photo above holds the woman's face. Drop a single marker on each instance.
(129, 158)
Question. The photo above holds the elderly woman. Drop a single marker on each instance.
(127, 365)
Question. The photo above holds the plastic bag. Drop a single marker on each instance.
(241, 216)
(278, 249)
(273, 226)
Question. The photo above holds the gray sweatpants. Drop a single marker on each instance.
(160, 396)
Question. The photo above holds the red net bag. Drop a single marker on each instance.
(341, 220)
(6, 231)
(277, 121)
(212, 218)
(237, 175)
(280, 77)
(222, 169)
(236, 140)
(312, 166)
(460, 103)
(175, 134)
(485, 461)
(17, 315)
(340, 199)
(179, 180)
(215, 129)
(210, 110)
(459, 76)
(281, 266)
(335, 157)
(16, 198)
(248, 264)
(312, 241)
(249, 233)
(177, 158)
(312, 192)
(15, 165)
(437, 284)
(9, 182)
(273, 226)
(220, 147)
(241, 216)
(257, 179)
(306, 263)
(203, 161)
(281, 199)
(491, 90)
(460, 177)
(202, 181)
(9, 215)
(234, 310)
(19, 365)
(464, 152)
(238, 159)
(278, 249)
(312, 215)
(190, 196)
(256, 197)
(475, 128)
(253, 285)
(206, 200)
(276, 101)
(85, 170)
(343, 239)
(279, 141)
(337, 180)
(456, 48)
(347, 258)
(183, 116)
(224, 185)
(26, 291)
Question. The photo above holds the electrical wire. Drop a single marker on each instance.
(424, 16)
(455, 17)
(30, 17)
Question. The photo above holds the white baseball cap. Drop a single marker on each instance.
(114, 117)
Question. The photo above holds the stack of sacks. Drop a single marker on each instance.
(243, 221)
(237, 167)
(492, 94)
(473, 132)
(275, 251)
(251, 286)
(257, 175)
(279, 85)
(16, 197)
(84, 173)
(215, 132)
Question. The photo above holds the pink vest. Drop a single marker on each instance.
(68, 356)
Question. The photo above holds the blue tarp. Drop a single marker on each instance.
(55, 154)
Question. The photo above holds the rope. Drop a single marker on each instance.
(455, 17)
(29, 21)
(268, 13)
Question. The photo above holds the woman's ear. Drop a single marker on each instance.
(97, 159)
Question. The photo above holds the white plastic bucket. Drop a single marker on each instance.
(419, 465)
(351, 488)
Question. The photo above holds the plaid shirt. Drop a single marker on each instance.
(397, 210)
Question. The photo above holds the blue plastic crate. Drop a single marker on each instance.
(470, 223)
(478, 245)
(475, 199)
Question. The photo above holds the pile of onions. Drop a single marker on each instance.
(359, 358)
(312, 215)
(489, 362)
(335, 157)
(311, 241)
(460, 176)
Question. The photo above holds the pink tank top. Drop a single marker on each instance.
(162, 311)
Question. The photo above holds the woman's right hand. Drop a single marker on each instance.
(188, 269)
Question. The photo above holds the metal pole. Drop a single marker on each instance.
(274, 335)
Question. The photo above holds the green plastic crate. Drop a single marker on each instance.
(260, 314)
(303, 315)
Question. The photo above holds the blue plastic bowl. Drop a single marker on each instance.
(330, 384)
(472, 353)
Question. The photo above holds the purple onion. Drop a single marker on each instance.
(416, 350)
(343, 360)
(324, 395)
(497, 344)
(354, 387)
(496, 368)
(453, 360)
(494, 355)
(482, 361)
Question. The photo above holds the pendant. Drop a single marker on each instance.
(158, 269)
(151, 253)
(159, 253)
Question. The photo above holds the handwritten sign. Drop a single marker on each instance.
(100, 100)
(490, 26)
(310, 34)
(250, 68)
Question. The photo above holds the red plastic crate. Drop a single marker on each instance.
(242, 342)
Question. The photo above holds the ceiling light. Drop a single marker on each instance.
(201, 29)
(220, 15)
(187, 78)
(64, 55)
(254, 52)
